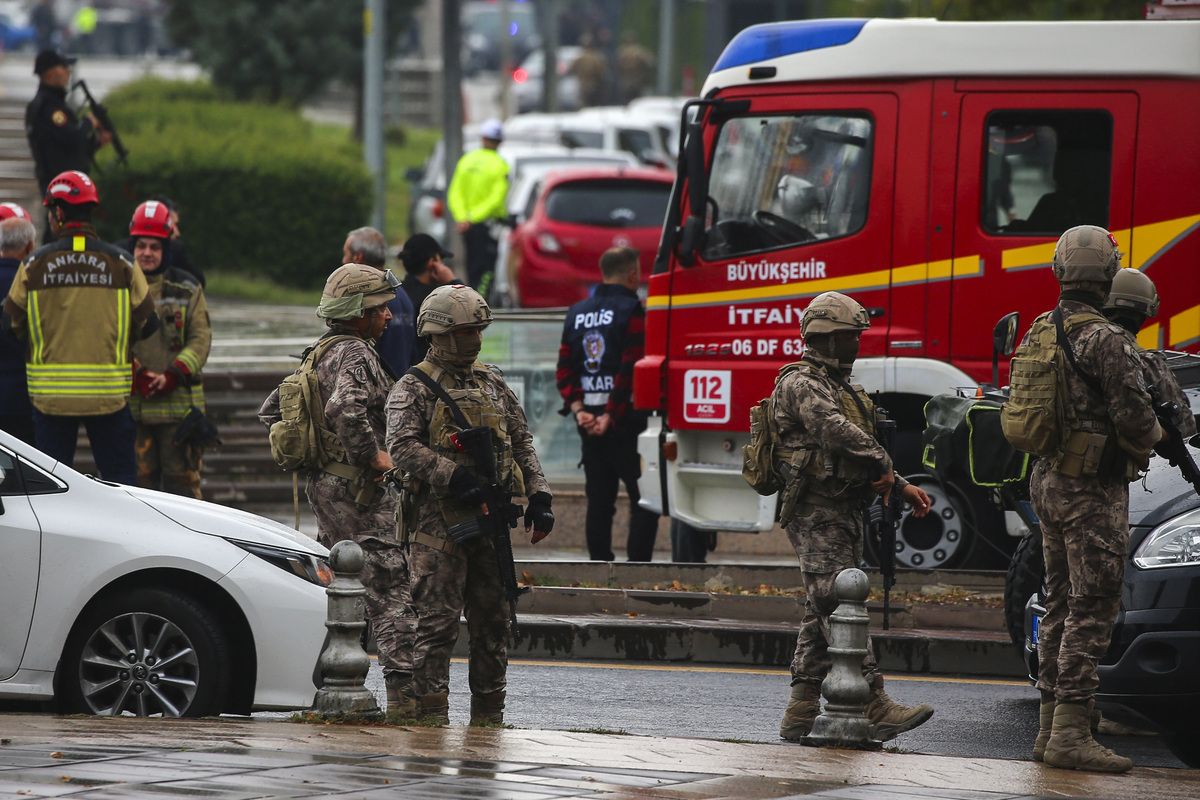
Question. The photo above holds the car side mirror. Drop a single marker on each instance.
(1004, 341)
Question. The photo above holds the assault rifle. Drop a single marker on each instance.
(1174, 448)
(502, 514)
(883, 519)
(102, 116)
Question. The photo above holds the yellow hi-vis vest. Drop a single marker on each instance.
(79, 301)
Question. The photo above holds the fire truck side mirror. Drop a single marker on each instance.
(1004, 335)
(690, 239)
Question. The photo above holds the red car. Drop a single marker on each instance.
(578, 215)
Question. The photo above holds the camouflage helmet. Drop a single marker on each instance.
(448, 308)
(1134, 290)
(833, 311)
(1086, 254)
(353, 288)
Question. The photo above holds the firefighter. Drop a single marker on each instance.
(81, 303)
(168, 395)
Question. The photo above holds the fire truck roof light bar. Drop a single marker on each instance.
(762, 42)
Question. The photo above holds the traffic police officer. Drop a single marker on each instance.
(167, 386)
(476, 197)
(1082, 502)
(81, 303)
(345, 494)
(603, 337)
(450, 578)
(835, 466)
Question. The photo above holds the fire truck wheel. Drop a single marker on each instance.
(945, 538)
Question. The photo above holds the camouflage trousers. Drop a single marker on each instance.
(164, 465)
(385, 563)
(1085, 538)
(447, 584)
(827, 540)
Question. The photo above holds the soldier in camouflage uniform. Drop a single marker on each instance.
(834, 467)
(448, 577)
(346, 496)
(167, 383)
(1081, 496)
(1131, 302)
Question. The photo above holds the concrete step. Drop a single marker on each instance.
(722, 641)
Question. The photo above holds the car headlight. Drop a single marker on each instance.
(1173, 544)
(303, 565)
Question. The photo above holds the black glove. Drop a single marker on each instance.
(538, 515)
(465, 488)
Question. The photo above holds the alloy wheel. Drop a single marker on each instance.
(141, 664)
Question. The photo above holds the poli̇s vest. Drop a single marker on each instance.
(594, 330)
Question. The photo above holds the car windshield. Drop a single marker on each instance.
(609, 204)
(577, 138)
(780, 181)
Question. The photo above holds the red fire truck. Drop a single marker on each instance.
(926, 169)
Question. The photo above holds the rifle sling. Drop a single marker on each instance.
(1065, 345)
(460, 418)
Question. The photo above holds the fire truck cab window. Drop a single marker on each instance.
(784, 181)
(1046, 171)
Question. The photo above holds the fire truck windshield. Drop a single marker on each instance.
(780, 181)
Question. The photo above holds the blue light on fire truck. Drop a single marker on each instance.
(762, 42)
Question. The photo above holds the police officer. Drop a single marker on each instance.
(449, 578)
(167, 385)
(603, 337)
(346, 495)
(59, 140)
(835, 465)
(476, 198)
(80, 304)
(1131, 302)
(1083, 501)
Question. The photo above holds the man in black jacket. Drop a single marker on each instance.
(603, 337)
(425, 270)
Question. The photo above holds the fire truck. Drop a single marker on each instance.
(926, 169)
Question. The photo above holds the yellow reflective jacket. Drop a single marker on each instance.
(180, 344)
(79, 302)
(479, 186)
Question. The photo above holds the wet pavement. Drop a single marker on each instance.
(44, 756)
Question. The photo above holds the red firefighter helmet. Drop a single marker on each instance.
(73, 188)
(10, 210)
(153, 219)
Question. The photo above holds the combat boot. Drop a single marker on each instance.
(400, 700)
(889, 719)
(802, 710)
(1071, 745)
(434, 708)
(1045, 725)
(487, 709)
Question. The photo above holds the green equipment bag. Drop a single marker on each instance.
(1033, 417)
(962, 436)
(300, 440)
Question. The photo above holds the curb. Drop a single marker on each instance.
(763, 644)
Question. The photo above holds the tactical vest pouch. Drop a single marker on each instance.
(758, 456)
(298, 440)
(1082, 454)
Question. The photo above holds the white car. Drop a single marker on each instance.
(119, 600)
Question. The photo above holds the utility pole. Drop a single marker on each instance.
(506, 60)
(374, 25)
(549, 24)
(666, 45)
(452, 110)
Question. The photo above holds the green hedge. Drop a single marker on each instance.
(257, 194)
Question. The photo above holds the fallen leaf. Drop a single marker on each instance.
(56, 754)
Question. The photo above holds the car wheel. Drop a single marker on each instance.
(1026, 571)
(943, 539)
(147, 652)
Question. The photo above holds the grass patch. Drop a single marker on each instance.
(735, 740)
(239, 286)
(375, 720)
(401, 156)
(601, 731)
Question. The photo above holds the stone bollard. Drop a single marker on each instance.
(343, 663)
(843, 722)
